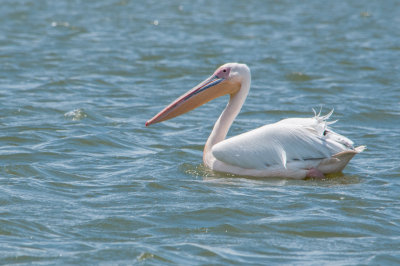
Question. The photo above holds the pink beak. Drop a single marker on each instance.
(204, 92)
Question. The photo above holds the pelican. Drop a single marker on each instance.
(291, 148)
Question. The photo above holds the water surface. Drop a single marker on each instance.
(82, 181)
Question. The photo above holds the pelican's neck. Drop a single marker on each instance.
(227, 117)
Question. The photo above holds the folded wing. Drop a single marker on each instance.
(282, 142)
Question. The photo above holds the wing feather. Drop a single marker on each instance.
(282, 142)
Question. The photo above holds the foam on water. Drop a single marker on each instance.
(76, 115)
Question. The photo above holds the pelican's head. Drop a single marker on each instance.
(227, 79)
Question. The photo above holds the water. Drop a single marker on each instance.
(82, 181)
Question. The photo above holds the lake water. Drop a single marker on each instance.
(83, 181)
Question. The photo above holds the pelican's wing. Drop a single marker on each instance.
(282, 142)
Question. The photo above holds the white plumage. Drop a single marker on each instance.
(292, 139)
(291, 148)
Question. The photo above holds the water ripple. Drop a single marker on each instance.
(82, 180)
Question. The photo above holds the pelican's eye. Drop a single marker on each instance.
(222, 72)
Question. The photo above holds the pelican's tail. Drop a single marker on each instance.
(338, 162)
(360, 149)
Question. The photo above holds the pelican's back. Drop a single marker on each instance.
(293, 139)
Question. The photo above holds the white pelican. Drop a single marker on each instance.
(291, 148)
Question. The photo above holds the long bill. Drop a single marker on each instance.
(211, 88)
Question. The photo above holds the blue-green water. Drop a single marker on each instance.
(82, 181)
